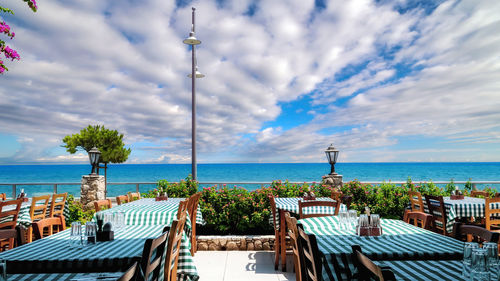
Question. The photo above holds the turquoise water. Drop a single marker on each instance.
(244, 173)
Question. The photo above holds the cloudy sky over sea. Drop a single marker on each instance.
(381, 80)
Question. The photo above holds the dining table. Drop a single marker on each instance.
(104, 276)
(399, 241)
(291, 204)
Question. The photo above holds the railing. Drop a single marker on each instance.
(56, 185)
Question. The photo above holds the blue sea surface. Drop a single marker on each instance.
(261, 172)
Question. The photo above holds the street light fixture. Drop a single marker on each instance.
(331, 154)
(94, 155)
(193, 41)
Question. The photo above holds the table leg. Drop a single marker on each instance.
(282, 240)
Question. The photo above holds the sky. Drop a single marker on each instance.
(383, 81)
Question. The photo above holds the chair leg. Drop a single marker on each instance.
(282, 240)
(276, 250)
(30, 234)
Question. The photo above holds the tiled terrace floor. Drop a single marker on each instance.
(240, 266)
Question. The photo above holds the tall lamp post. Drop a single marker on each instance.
(333, 179)
(191, 40)
(94, 155)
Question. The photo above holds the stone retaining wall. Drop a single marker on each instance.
(236, 243)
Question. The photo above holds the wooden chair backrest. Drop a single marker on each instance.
(192, 208)
(39, 226)
(317, 203)
(309, 253)
(132, 196)
(474, 233)
(3, 196)
(492, 214)
(8, 219)
(39, 211)
(420, 219)
(57, 204)
(367, 269)
(173, 248)
(336, 195)
(121, 199)
(102, 203)
(478, 193)
(416, 201)
(346, 200)
(436, 207)
(272, 203)
(149, 264)
(293, 233)
(16, 237)
(183, 206)
(130, 274)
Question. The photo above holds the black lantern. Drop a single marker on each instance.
(332, 153)
(94, 155)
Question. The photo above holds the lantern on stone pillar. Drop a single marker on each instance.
(94, 155)
(331, 154)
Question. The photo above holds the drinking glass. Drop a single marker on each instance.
(118, 220)
(479, 270)
(90, 233)
(3, 270)
(75, 239)
(466, 268)
(344, 219)
(492, 259)
(353, 217)
(108, 217)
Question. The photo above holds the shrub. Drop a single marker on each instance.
(76, 212)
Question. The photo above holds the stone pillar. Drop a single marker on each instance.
(333, 180)
(93, 187)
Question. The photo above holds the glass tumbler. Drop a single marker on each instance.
(466, 265)
(344, 219)
(90, 233)
(75, 238)
(353, 218)
(479, 269)
(492, 259)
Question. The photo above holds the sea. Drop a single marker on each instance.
(247, 172)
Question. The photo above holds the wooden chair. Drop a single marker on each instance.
(8, 220)
(173, 248)
(50, 223)
(57, 207)
(183, 206)
(130, 274)
(149, 264)
(346, 200)
(192, 208)
(309, 256)
(417, 205)
(121, 199)
(479, 193)
(420, 219)
(367, 269)
(492, 215)
(132, 196)
(99, 204)
(280, 246)
(293, 233)
(38, 211)
(316, 203)
(436, 207)
(473, 232)
(3, 196)
(336, 195)
(18, 234)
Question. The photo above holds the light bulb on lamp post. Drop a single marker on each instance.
(94, 156)
(331, 154)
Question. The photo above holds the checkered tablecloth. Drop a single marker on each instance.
(62, 276)
(400, 241)
(54, 254)
(291, 204)
(443, 270)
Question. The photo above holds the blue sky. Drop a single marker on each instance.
(384, 81)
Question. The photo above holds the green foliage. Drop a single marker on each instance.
(183, 189)
(109, 142)
(76, 212)
(409, 184)
(6, 10)
(450, 187)
(468, 185)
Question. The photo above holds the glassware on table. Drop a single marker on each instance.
(375, 228)
(363, 225)
(353, 218)
(75, 238)
(344, 219)
(492, 262)
(466, 263)
(90, 233)
(479, 270)
(3, 270)
(119, 220)
(108, 217)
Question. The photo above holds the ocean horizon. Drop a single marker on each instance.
(244, 172)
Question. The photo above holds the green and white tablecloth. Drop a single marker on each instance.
(443, 270)
(54, 254)
(400, 241)
(291, 204)
(64, 276)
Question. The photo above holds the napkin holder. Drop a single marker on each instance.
(161, 198)
(457, 197)
(309, 196)
(103, 236)
(368, 230)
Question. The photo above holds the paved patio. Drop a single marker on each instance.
(241, 266)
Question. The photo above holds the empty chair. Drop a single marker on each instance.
(479, 193)
(38, 211)
(3, 196)
(436, 207)
(492, 215)
(420, 219)
(417, 205)
(309, 256)
(121, 199)
(278, 244)
(293, 233)
(18, 235)
(474, 233)
(9, 212)
(346, 200)
(367, 269)
(192, 208)
(132, 196)
(57, 207)
(152, 264)
(336, 195)
(130, 274)
(318, 205)
(182, 209)
(103, 204)
(173, 248)
(56, 223)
